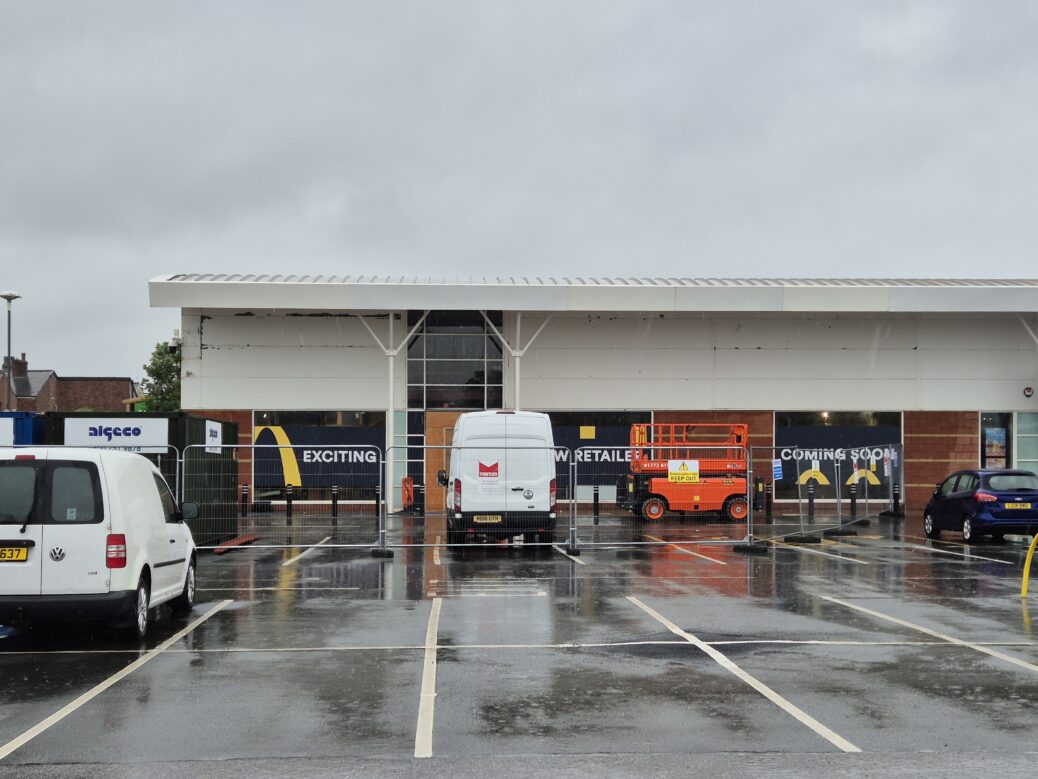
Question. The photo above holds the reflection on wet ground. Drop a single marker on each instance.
(884, 640)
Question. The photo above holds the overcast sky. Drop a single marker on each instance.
(488, 138)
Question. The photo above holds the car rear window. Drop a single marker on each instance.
(17, 491)
(74, 493)
(1013, 482)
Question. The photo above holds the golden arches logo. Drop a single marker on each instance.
(818, 476)
(289, 463)
(864, 473)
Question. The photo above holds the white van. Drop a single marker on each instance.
(502, 477)
(90, 533)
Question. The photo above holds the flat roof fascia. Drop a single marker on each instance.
(367, 296)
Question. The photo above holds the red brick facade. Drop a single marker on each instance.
(936, 443)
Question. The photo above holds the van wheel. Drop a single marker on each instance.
(184, 602)
(736, 509)
(653, 509)
(548, 536)
(138, 626)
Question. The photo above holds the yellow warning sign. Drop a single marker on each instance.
(683, 471)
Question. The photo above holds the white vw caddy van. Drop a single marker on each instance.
(90, 533)
(502, 477)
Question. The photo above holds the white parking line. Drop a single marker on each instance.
(934, 633)
(967, 555)
(436, 552)
(832, 737)
(809, 550)
(562, 552)
(687, 551)
(92, 693)
(427, 703)
(301, 555)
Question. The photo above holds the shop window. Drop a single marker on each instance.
(455, 361)
(868, 440)
(1027, 441)
(996, 437)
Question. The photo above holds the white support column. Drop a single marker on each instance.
(391, 353)
(516, 353)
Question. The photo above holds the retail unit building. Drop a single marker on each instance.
(945, 367)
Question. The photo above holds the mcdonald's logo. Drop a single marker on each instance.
(289, 461)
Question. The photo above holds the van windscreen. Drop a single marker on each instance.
(17, 491)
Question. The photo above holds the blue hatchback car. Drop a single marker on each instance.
(983, 502)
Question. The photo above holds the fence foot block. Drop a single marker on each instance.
(754, 548)
(836, 531)
(385, 554)
(860, 522)
(892, 514)
(572, 551)
(802, 539)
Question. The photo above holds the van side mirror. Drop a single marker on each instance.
(441, 478)
(188, 511)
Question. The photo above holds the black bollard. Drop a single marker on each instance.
(758, 493)
(378, 501)
(811, 503)
(594, 503)
(244, 500)
(854, 501)
(767, 500)
(288, 504)
(335, 504)
(897, 500)
(419, 500)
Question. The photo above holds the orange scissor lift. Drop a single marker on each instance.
(713, 463)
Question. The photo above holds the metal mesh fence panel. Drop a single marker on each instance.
(826, 487)
(476, 495)
(285, 495)
(686, 494)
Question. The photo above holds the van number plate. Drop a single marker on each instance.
(9, 555)
(486, 519)
(1018, 505)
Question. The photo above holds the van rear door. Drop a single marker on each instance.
(21, 534)
(529, 463)
(74, 530)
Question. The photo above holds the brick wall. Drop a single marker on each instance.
(937, 443)
(73, 394)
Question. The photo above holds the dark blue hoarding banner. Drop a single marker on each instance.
(865, 456)
(311, 456)
(602, 453)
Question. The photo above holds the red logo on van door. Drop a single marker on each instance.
(488, 471)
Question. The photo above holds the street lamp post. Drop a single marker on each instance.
(10, 297)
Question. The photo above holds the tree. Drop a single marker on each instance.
(161, 384)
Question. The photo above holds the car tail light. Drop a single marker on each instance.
(985, 497)
(551, 495)
(115, 550)
(457, 495)
(25, 457)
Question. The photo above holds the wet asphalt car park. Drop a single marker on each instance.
(881, 651)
